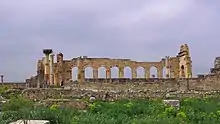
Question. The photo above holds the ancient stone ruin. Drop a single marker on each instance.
(60, 72)
(177, 84)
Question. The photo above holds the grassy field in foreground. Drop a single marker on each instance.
(192, 111)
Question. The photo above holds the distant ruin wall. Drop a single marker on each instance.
(45, 94)
(14, 84)
(139, 80)
(207, 83)
(60, 72)
(158, 88)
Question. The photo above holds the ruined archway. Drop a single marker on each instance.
(102, 72)
(114, 72)
(74, 73)
(153, 72)
(140, 72)
(88, 72)
(127, 72)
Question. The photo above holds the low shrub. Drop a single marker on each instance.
(192, 111)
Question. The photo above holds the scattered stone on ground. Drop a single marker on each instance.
(173, 103)
(92, 99)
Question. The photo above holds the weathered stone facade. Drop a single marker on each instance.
(149, 88)
(61, 72)
(71, 94)
(178, 84)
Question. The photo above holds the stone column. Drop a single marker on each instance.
(59, 70)
(108, 73)
(52, 69)
(47, 52)
(147, 72)
(121, 72)
(81, 74)
(134, 73)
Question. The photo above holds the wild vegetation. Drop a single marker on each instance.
(191, 111)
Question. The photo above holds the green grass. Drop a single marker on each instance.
(192, 111)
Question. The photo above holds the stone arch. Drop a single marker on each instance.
(140, 72)
(88, 72)
(114, 72)
(102, 72)
(74, 73)
(164, 72)
(153, 72)
(127, 72)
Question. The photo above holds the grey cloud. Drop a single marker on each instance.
(147, 30)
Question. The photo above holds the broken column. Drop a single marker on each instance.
(47, 53)
(51, 69)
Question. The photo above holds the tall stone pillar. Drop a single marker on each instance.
(81, 75)
(47, 53)
(58, 71)
(51, 69)
(108, 73)
(95, 73)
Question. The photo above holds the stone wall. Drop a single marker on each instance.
(45, 94)
(197, 87)
(210, 82)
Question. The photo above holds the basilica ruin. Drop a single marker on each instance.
(54, 79)
(60, 72)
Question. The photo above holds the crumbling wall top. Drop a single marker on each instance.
(217, 62)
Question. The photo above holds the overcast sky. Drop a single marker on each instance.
(142, 30)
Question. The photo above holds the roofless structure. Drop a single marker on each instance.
(60, 72)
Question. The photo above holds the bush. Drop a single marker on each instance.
(192, 111)
(3, 88)
(17, 103)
